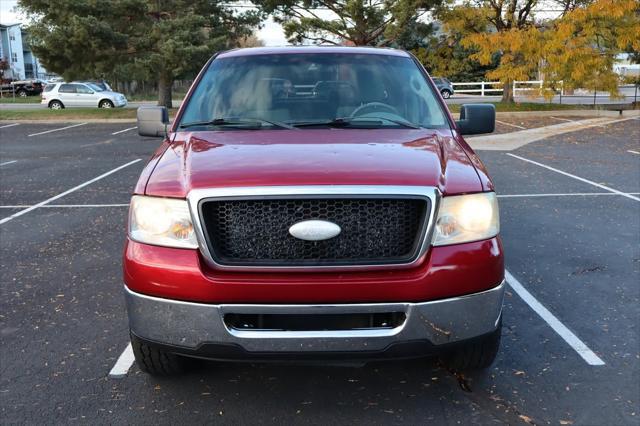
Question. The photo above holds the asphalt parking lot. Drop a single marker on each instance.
(570, 214)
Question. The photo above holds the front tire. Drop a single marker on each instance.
(56, 105)
(155, 361)
(446, 94)
(22, 93)
(105, 104)
(476, 355)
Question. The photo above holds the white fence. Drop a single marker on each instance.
(482, 88)
(494, 88)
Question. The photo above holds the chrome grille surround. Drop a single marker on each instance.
(195, 197)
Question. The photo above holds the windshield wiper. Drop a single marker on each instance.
(403, 123)
(256, 122)
(347, 121)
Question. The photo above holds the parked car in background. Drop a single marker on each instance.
(444, 86)
(22, 88)
(76, 94)
(314, 203)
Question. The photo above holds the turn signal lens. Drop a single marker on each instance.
(466, 218)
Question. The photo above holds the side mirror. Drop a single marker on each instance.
(152, 121)
(477, 118)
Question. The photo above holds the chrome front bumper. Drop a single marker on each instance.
(191, 325)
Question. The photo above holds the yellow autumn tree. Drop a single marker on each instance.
(577, 48)
(492, 27)
(520, 51)
(581, 47)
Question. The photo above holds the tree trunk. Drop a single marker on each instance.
(507, 93)
(165, 85)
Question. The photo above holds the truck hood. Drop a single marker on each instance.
(212, 159)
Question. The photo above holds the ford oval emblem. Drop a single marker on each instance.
(314, 230)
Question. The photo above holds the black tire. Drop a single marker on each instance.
(477, 355)
(56, 105)
(22, 93)
(446, 94)
(155, 361)
(105, 103)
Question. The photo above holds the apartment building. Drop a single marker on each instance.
(15, 50)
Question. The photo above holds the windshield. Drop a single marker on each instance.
(95, 87)
(362, 90)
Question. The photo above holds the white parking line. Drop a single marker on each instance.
(567, 335)
(606, 188)
(9, 125)
(512, 125)
(108, 141)
(96, 206)
(568, 194)
(63, 206)
(57, 130)
(562, 119)
(633, 152)
(69, 191)
(125, 130)
(8, 162)
(123, 364)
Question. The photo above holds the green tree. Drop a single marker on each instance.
(443, 55)
(164, 39)
(356, 22)
(250, 41)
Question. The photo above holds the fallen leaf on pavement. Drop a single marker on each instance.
(527, 419)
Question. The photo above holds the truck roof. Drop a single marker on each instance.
(312, 49)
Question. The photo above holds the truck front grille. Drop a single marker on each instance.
(255, 232)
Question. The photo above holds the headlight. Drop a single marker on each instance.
(466, 218)
(161, 221)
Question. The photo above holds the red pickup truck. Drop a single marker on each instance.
(314, 203)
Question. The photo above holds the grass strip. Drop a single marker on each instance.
(70, 114)
(525, 106)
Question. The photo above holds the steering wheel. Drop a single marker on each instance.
(374, 107)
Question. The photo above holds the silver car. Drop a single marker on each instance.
(444, 86)
(62, 95)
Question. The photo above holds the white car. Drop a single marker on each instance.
(62, 95)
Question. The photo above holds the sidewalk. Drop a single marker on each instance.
(515, 140)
